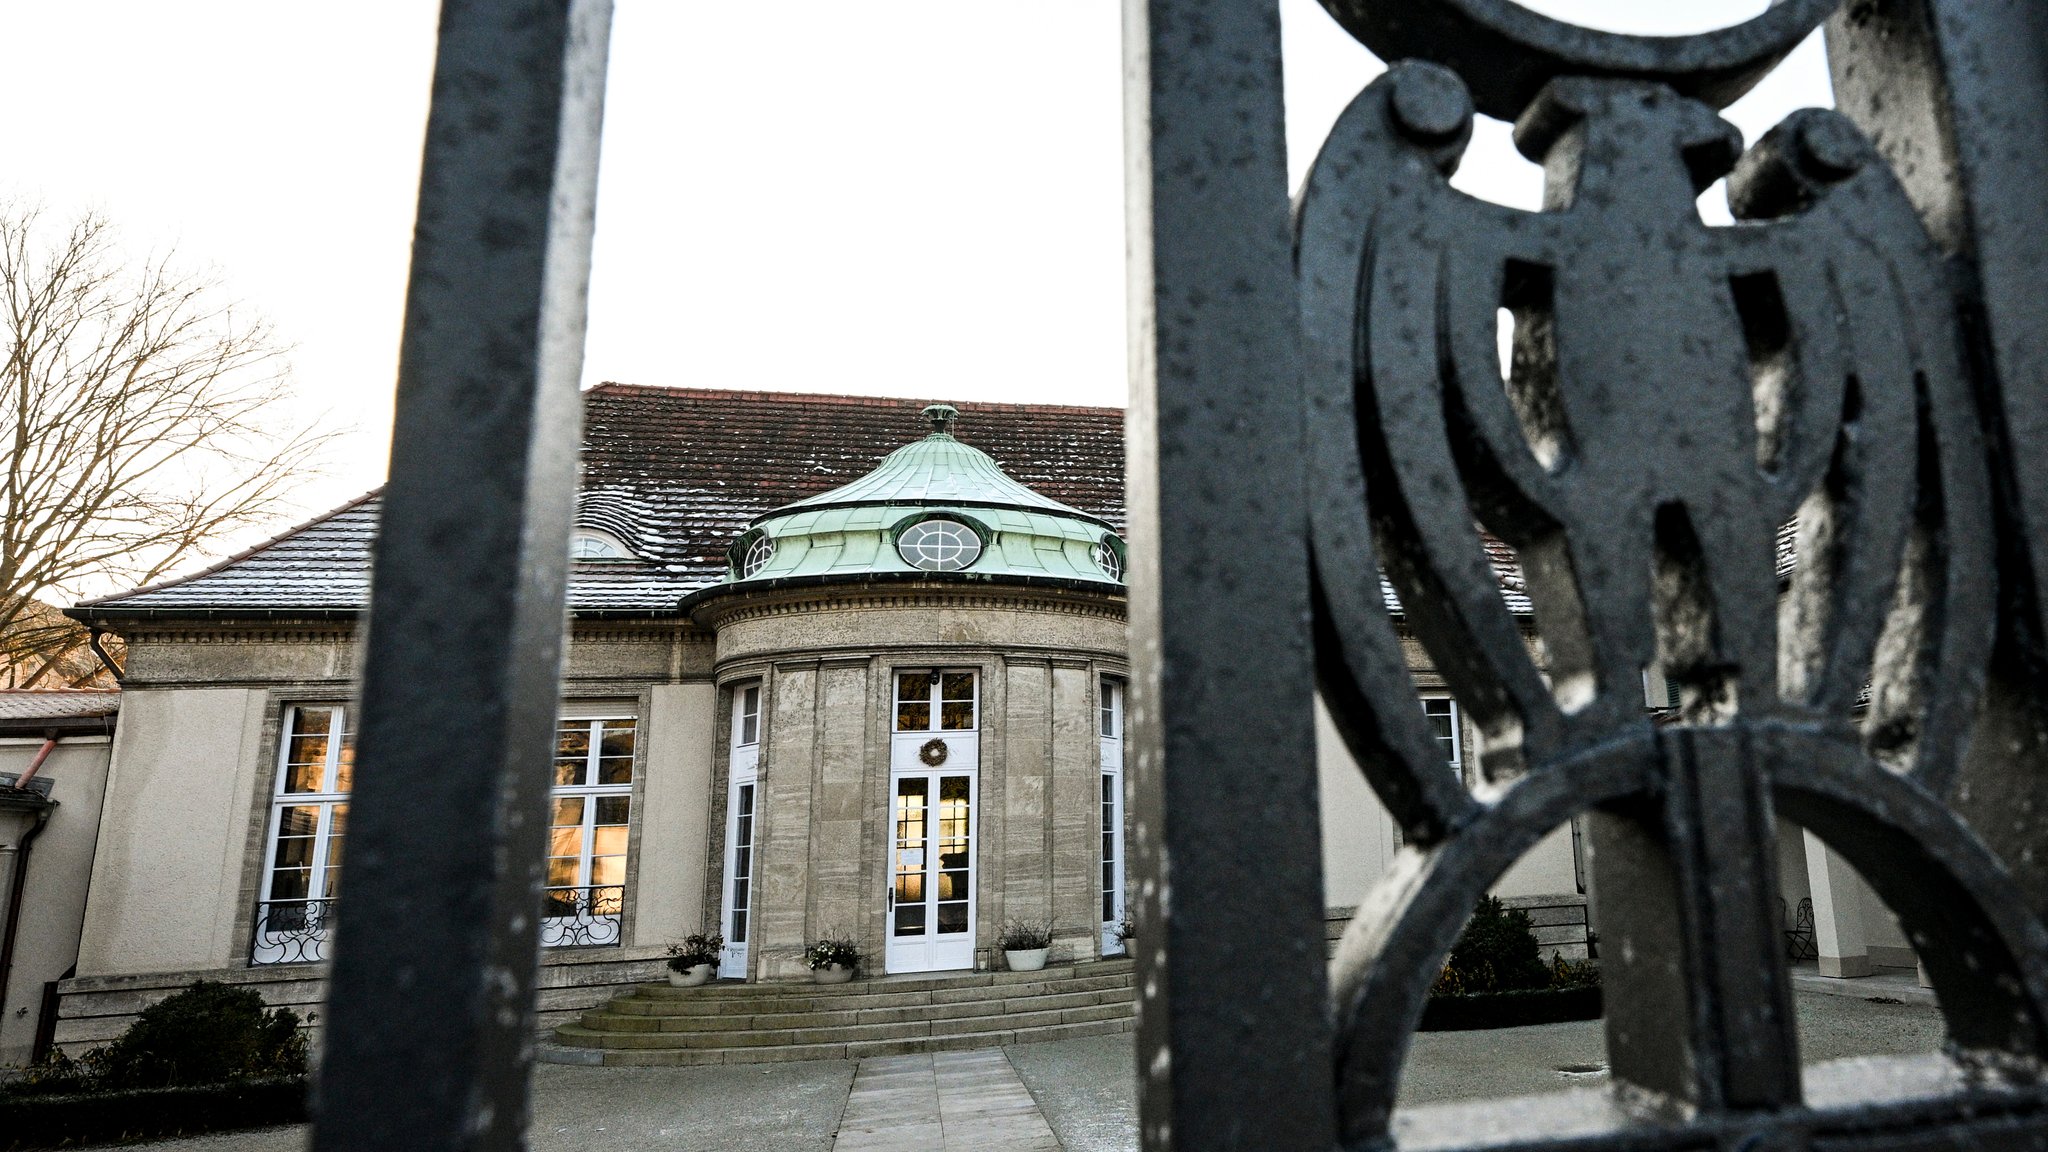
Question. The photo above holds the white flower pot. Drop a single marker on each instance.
(832, 974)
(1026, 959)
(691, 977)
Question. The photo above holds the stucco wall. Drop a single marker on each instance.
(174, 836)
(675, 814)
(59, 867)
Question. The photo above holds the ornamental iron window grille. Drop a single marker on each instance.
(1866, 355)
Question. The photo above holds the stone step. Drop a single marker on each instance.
(793, 998)
(946, 1041)
(734, 990)
(1035, 1017)
(609, 1019)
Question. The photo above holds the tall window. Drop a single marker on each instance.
(1111, 731)
(1443, 721)
(947, 697)
(593, 801)
(308, 819)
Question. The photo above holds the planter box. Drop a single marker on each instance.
(1509, 1009)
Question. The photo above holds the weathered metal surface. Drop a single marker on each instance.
(1233, 1029)
(430, 1029)
(1682, 402)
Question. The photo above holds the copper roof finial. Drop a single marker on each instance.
(942, 417)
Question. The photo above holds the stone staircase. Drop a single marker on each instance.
(732, 1023)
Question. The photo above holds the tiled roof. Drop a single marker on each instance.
(57, 703)
(677, 474)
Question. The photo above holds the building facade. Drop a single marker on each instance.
(836, 667)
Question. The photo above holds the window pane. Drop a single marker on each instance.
(562, 871)
(572, 751)
(613, 809)
(956, 686)
(290, 884)
(607, 870)
(312, 720)
(909, 919)
(617, 740)
(956, 715)
(912, 686)
(299, 820)
(345, 771)
(610, 841)
(568, 810)
(914, 717)
(739, 926)
(294, 852)
(953, 917)
(566, 841)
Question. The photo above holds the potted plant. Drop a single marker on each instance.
(1126, 931)
(832, 960)
(693, 961)
(1024, 944)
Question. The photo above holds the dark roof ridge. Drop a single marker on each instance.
(849, 398)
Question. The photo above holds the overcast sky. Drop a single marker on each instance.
(901, 197)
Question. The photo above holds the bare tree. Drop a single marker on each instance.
(143, 417)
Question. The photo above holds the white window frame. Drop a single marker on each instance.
(596, 919)
(1110, 732)
(292, 929)
(935, 680)
(742, 801)
(1456, 761)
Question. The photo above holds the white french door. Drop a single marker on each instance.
(933, 801)
(742, 809)
(1112, 737)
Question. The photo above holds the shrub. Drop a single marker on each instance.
(1496, 953)
(1025, 935)
(207, 1034)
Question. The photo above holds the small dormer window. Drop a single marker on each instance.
(939, 545)
(756, 557)
(1109, 557)
(589, 544)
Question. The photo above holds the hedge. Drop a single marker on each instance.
(34, 1121)
(1510, 1009)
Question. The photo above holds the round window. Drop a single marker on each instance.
(758, 554)
(1106, 558)
(939, 545)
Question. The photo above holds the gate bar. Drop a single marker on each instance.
(430, 1020)
(1233, 1013)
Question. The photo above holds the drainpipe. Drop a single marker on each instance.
(92, 640)
(19, 883)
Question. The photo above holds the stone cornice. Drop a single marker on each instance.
(314, 630)
(742, 606)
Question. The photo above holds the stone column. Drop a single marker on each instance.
(782, 876)
(1837, 912)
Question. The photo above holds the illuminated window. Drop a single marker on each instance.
(948, 695)
(593, 800)
(308, 819)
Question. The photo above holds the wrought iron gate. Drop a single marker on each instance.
(1865, 357)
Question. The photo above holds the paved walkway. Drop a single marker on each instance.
(1071, 1095)
(943, 1102)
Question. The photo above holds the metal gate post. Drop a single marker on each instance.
(1955, 94)
(430, 1020)
(1233, 1037)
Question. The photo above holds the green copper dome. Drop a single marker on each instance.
(935, 507)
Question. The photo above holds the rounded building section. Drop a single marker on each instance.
(921, 704)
